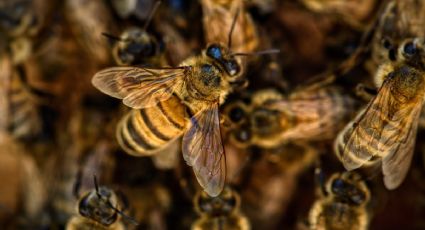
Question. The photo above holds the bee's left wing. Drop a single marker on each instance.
(203, 150)
(396, 165)
(139, 87)
(379, 130)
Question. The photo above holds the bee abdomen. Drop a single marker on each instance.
(22, 119)
(143, 132)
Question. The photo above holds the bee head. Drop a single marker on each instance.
(221, 55)
(222, 205)
(96, 205)
(348, 189)
(136, 45)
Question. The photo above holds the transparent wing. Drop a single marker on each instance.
(203, 150)
(380, 130)
(396, 165)
(139, 87)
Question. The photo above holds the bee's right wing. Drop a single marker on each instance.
(203, 150)
(139, 87)
(382, 130)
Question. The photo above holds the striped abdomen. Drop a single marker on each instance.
(145, 131)
(17, 106)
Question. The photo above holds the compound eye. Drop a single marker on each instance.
(214, 51)
(337, 186)
(232, 67)
(409, 49)
(236, 114)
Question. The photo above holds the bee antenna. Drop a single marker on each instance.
(262, 52)
(77, 185)
(112, 37)
(129, 218)
(152, 13)
(96, 186)
(229, 40)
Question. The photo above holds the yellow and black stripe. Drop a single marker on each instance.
(145, 131)
(21, 116)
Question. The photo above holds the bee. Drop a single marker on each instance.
(88, 19)
(271, 119)
(218, 16)
(18, 116)
(221, 212)
(159, 98)
(18, 17)
(24, 195)
(398, 21)
(342, 204)
(385, 131)
(264, 200)
(135, 46)
(98, 209)
(356, 13)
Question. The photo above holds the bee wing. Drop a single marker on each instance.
(396, 165)
(139, 87)
(203, 149)
(381, 129)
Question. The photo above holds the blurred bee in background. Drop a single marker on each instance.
(136, 46)
(342, 203)
(18, 116)
(398, 21)
(309, 114)
(21, 22)
(99, 208)
(218, 16)
(221, 212)
(356, 13)
(150, 205)
(279, 129)
(88, 19)
(23, 194)
(16, 17)
(385, 131)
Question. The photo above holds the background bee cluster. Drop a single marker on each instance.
(61, 165)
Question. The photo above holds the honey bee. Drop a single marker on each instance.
(385, 130)
(160, 97)
(23, 197)
(98, 209)
(354, 12)
(264, 200)
(221, 212)
(18, 17)
(305, 115)
(88, 19)
(20, 23)
(135, 46)
(342, 204)
(399, 20)
(18, 116)
(218, 17)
